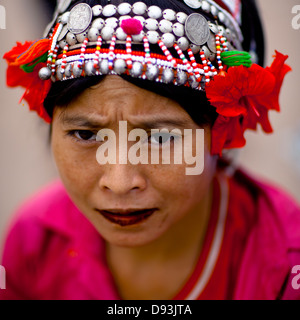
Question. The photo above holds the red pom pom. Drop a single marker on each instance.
(132, 26)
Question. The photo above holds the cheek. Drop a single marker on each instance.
(77, 167)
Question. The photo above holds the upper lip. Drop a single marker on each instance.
(125, 212)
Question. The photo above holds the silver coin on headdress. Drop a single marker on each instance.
(80, 18)
(197, 29)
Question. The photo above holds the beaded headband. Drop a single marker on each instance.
(87, 38)
(160, 45)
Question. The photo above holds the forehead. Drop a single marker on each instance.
(117, 99)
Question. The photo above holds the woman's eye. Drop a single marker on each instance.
(161, 138)
(85, 135)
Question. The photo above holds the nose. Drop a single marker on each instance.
(122, 179)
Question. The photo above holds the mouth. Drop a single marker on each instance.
(127, 217)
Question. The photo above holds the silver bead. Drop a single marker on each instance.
(124, 8)
(103, 66)
(167, 75)
(214, 11)
(109, 10)
(45, 73)
(152, 72)
(89, 68)
(153, 37)
(169, 14)
(60, 73)
(205, 6)
(213, 28)
(139, 8)
(62, 43)
(221, 16)
(112, 22)
(97, 9)
(221, 30)
(119, 66)
(64, 18)
(93, 34)
(193, 82)
(77, 70)
(140, 18)
(124, 18)
(82, 36)
(168, 39)
(138, 37)
(154, 12)
(68, 70)
(195, 48)
(165, 26)
(181, 17)
(136, 70)
(98, 23)
(71, 39)
(183, 43)
(151, 24)
(63, 33)
(178, 29)
(181, 78)
(120, 34)
(107, 33)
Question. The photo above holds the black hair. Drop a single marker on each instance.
(193, 101)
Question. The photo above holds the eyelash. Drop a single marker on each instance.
(75, 134)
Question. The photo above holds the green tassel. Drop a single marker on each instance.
(29, 67)
(236, 58)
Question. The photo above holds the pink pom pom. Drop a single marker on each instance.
(132, 26)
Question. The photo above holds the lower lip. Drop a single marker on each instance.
(129, 219)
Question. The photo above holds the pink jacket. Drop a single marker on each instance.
(53, 252)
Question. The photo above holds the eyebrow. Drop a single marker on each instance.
(157, 123)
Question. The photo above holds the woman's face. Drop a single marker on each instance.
(129, 204)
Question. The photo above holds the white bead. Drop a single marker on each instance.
(168, 39)
(140, 18)
(195, 49)
(181, 17)
(97, 10)
(71, 39)
(81, 36)
(120, 34)
(221, 30)
(169, 14)
(138, 37)
(119, 66)
(151, 24)
(178, 29)
(68, 70)
(205, 6)
(109, 10)
(124, 18)
(154, 12)
(221, 16)
(112, 22)
(183, 43)
(214, 11)
(93, 34)
(213, 28)
(124, 8)
(65, 17)
(165, 26)
(153, 37)
(107, 33)
(139, 8)
(62, 43)
(98, 23)
(89, 68)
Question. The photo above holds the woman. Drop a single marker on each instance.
(137, 93)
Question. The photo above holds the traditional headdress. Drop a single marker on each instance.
(202, 50)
